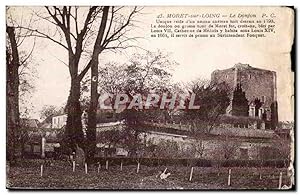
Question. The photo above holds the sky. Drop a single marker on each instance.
(197, 58)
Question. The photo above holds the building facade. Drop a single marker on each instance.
(59, 121)
(258, 87)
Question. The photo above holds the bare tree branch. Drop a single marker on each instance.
(97, 47)
(116, 32)
(29, 55)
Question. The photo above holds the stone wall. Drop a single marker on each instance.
(243, 132)
(257, 83)
(213, 148)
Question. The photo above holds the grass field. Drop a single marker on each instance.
(59, 175)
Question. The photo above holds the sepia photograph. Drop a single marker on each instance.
(150, 97)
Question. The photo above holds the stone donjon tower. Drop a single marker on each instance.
(260, 90)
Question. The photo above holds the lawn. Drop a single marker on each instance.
(59, 175)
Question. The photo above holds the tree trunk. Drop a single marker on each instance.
(92, 117)
(12, 94)
(74, 133)
(114, 116)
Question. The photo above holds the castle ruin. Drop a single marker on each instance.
(253, 92)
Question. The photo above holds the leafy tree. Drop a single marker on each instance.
(168, 149)
(111, 137)
(148, 73)
(49, 111)
(213, 100)
(239, 102)
(113, 80)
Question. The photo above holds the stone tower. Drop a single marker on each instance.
(257, 84)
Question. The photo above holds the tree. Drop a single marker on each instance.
(72, 34)
(213, 100)
(239, 102)
(198, 148)
(168, 149)
(48, 111)
(102, 28)
(153, 67)
(19, 80)
(111, 36)
(283, 148)
(111, 137)
(148, 73)
(75, 36)
(135, 77)
(12, 92)
(112, 80)
(274, 115)
(27, 77)
(133, 128)
(229, 149)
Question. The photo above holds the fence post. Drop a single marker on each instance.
(42, 170)
(43, 147)
(260, 177)
(191, 174)
(229, 177)
(99, 167)
(74, 165)
(106, 165)
(121, 165)
(280, 180)
(85, 168)
(138, 167)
